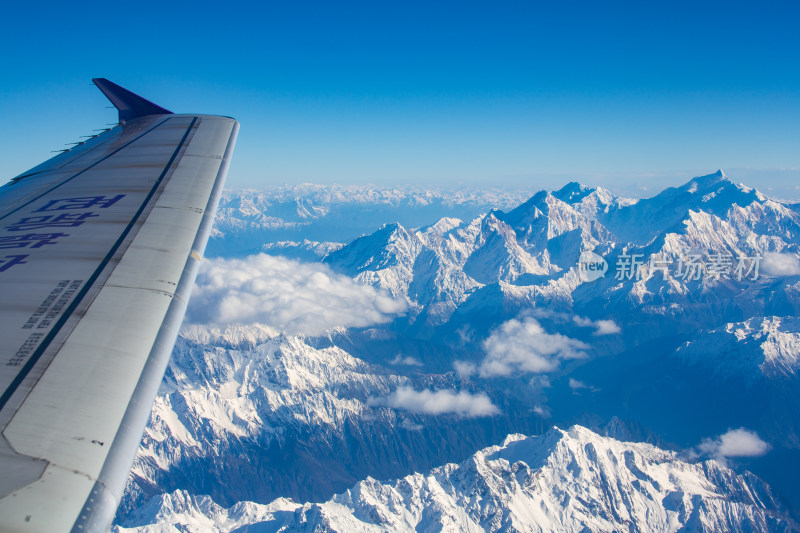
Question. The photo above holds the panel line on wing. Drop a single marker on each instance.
(84, 170)
(34, 358)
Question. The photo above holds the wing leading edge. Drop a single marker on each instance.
(99, 248)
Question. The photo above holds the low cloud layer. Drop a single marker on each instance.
(410, 426)
(542, 410)
(574, 384)
(407, 360)
(464, 368)
(296, 298)
(735, 443)
(776, 264)
(602, 327)
(524, 346)
(440, 402)
(577, 386)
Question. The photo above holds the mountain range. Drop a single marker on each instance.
(561, 481)
(690, 337)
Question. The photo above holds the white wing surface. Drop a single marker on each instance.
(99, 248)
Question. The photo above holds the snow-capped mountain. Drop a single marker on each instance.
(566, 481)
(249, 221)
(384, 259)
(714, 194)
(248, 413)
(503, 334)
(529, 256)
(179, 511)
(767, 347)
(233, 399)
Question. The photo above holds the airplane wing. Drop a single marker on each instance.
(99, 248)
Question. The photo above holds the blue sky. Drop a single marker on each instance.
(629, 95)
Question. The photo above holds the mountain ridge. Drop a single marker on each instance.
(245, 405)
(564, 480)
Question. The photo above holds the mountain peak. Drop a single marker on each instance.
(700, 183)
(573, 192)
(570, 481)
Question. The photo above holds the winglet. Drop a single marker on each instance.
(129, 105)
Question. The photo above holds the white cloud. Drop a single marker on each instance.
(440, 402)
(407, 360)
(602, 327)
(577, 385)
(464, 368)
(410, 426)
(776, 264)
(464, 335)
(606, 327)
(524, 346)
(539, 382)
(542, 410)
(735, 443)
(574, 384)
(297, 298)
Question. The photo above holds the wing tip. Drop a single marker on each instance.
(130, 105)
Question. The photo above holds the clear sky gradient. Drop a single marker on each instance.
(633, 96)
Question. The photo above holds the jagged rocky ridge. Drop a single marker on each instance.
(247, 412)
(565, 481)
(695, 357)
(453, 270)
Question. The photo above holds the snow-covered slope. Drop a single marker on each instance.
(768, 347)
(383, 259)
(565, 481)
(714, 194)
(530, 254)
(234, 403)
(181, 512)
(247, 413)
